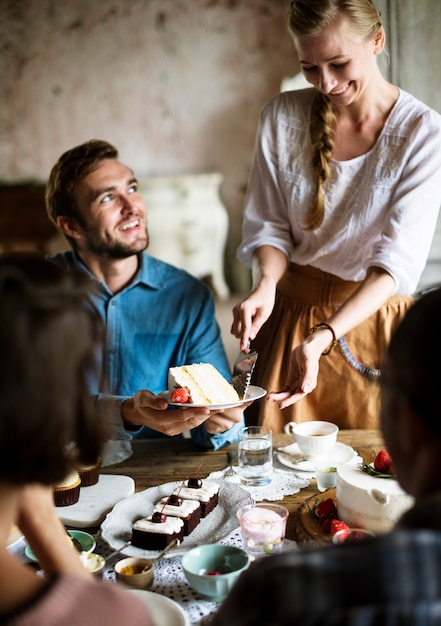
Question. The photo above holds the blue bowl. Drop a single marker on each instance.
(213, 569)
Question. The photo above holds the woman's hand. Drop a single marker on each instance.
(303, 369)
(304, 362)
(269, 265)
(252, 312)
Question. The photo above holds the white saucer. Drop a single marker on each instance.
(292, 457)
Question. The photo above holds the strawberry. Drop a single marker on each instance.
(325, 508)
(337, 525)
(181, 395)
(325, 524)
(383, 462)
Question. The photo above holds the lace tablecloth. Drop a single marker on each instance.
(169, 578)
(283, 483)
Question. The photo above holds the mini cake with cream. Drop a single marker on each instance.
(200, 383)
(368, 501)
(157, 531)
(202, 491)
(188, 510)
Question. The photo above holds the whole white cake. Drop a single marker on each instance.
(204, 383)
(365, 501)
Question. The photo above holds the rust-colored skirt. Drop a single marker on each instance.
(347, 391)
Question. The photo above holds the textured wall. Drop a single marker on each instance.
(176, 84)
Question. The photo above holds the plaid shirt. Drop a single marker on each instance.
(392, 580)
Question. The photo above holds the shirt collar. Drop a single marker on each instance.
(148, 272)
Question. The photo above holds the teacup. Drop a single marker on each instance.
(315, 438)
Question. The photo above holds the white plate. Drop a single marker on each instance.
(292, 457)
(96, 501)
(164, 611)
(253, 393)
(117, 527)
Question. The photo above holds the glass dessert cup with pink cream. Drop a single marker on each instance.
(263, 527)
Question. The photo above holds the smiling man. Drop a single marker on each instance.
(156, 316)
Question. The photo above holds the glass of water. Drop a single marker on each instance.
(255, 455)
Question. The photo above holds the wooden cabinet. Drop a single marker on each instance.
(24, 224)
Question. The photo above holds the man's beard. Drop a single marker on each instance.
(113, 249)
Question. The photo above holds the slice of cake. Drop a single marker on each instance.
(188, 510)
(157, 531)
(204, 384)
(204, 492)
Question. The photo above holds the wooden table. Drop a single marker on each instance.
(157, 461)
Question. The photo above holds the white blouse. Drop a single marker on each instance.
(381, 207)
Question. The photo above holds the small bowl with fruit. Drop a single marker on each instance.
(135, 572)
(212, 569)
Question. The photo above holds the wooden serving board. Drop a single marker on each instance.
(96, 501)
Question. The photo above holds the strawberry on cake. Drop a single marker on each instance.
(200, 383)
(369, 496)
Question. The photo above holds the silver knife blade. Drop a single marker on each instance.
(242, 370)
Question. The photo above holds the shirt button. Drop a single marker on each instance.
(111, 352)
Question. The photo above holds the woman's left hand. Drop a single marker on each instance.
(303, 370)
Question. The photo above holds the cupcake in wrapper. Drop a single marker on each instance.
(89, 474)
(67, 491)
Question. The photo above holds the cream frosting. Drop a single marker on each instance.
(71, 480)
(171, 526)
(202, 494)
(184, 510)
(205, 383)
(365, 501)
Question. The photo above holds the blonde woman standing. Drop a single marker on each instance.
(340, 213)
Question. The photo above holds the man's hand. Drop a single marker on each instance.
(221, 421)
(146, 409)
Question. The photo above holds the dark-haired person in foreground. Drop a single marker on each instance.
(48, 340)
(156, 316)
(393, 578)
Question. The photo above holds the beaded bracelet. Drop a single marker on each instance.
(334, 341)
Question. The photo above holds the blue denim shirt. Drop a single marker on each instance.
(163, 318)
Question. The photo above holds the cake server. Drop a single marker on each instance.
(242, 370)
